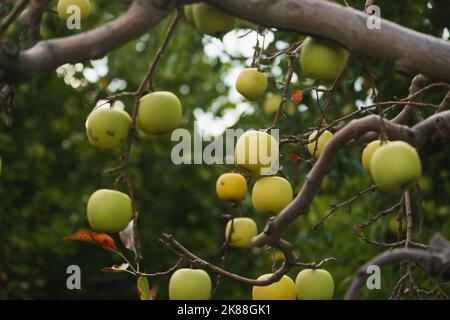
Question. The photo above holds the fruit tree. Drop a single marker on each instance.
(341, 110)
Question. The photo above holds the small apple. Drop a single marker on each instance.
(283, 289)
(270, 195)
(190, 284)
(108, 128)
(393, 226)
(65, 8)
(231, 187)
(368, 152)
(159, 112)
(396, 167)
(321, 142)
(188, 13)
(251, 83)
(211, 20)
(109, 210)
(256, 152)
(314, 284)
(322, 60)
(271, 104)
(244, 229)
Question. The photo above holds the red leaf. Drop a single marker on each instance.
(100, 239)
(116, 268)
(294, 158)
(297, 96)
(153, 292)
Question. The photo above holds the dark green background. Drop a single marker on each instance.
(49, 170)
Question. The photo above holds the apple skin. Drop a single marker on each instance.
(190, 284)
(188, 13)
(321, 142)
(211, 20)
(368, 153)
(244, 229)
(396, 167)
(109, 210)
(270, 195)
(251, 83)
(231, 187)
(108, 128)
(84, 5)
(315, 284)
(322, 60)
(271, 104)
(159, 112)
(284, 289)
(247, 152)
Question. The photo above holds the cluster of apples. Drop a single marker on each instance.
(395, 166)
(310, 284)
(64, 6)
(108, 128)
(209, 20)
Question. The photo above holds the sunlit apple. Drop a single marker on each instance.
(244, 229)
(270, 195)
(283, 289)
(190, 284)
(231, 187)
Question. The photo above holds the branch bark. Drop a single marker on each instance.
(410, 51)
(416, 136)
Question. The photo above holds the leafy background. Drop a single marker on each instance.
(49, 169)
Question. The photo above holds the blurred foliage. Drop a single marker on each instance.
(49, 169)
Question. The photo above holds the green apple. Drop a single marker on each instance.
(314, 284)
(190, 284)
(251, 83)
(64, 7)
(108, 128)
(256, 152)
(109, 210)
(316, 147)
(159, 112)
(270, 195)
(283, 289)
(368, 152)
(271, 104)
(244, 229)
(188, 13)
(396, 167)
(231, 187)
(211, 20)
(322, 60)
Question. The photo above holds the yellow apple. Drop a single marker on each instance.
(108, 128)
(231, 187)
(368, 152)
(251, 83)
(283, 289)
(188, 13)
(271, 104)
(64, 8)
(211, 20)
(322, 60)
(396, 167)
(159, 112)
(270, 195)
(190, 284)
(321, 142)
(244, 229)
(314, 284)
(256, 152)
(109, 210)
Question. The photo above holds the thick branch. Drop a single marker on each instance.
(300, 205)
(48, 55)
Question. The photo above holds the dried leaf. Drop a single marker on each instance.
(294, 158)
(153, 292)
(143, 288)
(100, 239)
(116, 268)
(127, 237)
(297, 96)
